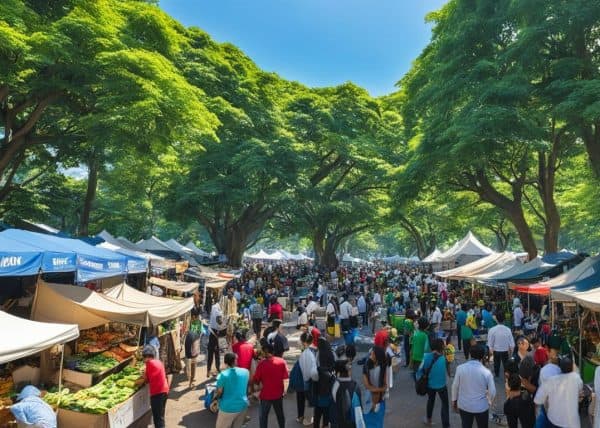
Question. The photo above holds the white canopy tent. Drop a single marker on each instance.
(490, 263)
(160, 309)
(111, 243)
(20, 337)
(469, 246)
(518, 269)
(197, 250)
(176, 246)
(433, 257)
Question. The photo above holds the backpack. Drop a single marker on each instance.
(348, 409)
(296, 382)
(256, 311)
(423, 381)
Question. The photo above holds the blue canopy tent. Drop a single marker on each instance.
(21, 259)
(92, 262)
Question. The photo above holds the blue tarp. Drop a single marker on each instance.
(22, 259)
(560, 257)
(531, 274)
(92, 262)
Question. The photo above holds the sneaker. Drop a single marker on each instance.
(427, 422)
(308, 422)
(300, 419)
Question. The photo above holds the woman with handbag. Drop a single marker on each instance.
(435, 368)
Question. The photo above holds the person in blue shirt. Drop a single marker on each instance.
(232, 387)
(31, 410)
(487, 317)
(461, 319)
(435, 363)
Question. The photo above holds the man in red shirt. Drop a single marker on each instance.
(315, 332)
(271, 373)
(243, 350)
(156, 379)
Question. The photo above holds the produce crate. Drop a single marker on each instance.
(120, 416)
(88, 379)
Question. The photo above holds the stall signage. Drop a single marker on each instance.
(60, 261)
(131, 410)
(11, 261)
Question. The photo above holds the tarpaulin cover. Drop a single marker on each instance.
(181, 287)
(20, 337)
(485, 264)
(135, 263)
(160, 309)
(79, 305)
(533, 269)
(21, 259)
(92, 262)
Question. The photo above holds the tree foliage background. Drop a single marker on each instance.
(494, 129)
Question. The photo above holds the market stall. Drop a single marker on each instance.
(103, 357)
(21, 338)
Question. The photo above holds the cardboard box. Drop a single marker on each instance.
(120, 416)
(78, 378)
(26, 374)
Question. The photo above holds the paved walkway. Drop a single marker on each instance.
(404, 408)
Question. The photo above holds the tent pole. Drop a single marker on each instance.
(580, 325)
(60, 374)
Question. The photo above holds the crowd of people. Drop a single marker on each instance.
(543, 388)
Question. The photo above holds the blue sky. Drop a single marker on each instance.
(318, 42)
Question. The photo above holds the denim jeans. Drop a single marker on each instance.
(265, 408)
(443, 393)
(158, 403)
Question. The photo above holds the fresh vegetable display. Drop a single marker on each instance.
(96, 364)
(99, 399)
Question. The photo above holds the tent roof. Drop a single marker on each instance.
(197, 250)
(160, 309)
(531, 269)
(92, 262)
(560, 257)
(505, 263)
(20, 337)
(182, 287)
(586, 280)
(79, 305)
(154, 244)
(432, 258)
(262, 255)
(468, 246)
(136, 261)
(486, 264)
(20, 259)
(176, 246)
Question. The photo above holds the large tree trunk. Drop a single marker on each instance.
(511, 208)
(233, 236)
(547, 166)
(418, 239)
(90, 196)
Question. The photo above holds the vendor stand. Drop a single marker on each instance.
(114, 321)
(21, 338)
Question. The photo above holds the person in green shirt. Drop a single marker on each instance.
(420, 344)
(466, 335)
(408, 327)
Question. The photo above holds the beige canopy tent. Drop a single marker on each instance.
(490, 263)
(180, 287)
(160, 309)
(20, 337)
(79, 305)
